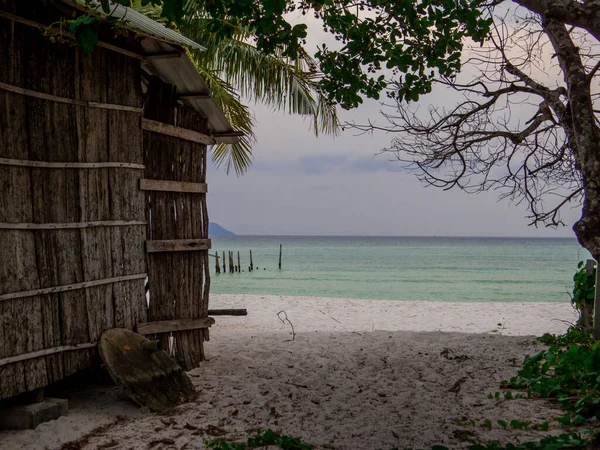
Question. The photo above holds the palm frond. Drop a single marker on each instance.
(284, 84)
(233, 68)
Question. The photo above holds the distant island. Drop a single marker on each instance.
(214, 229)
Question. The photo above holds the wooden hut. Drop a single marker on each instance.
(102, 187)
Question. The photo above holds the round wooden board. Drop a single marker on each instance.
(151, 379)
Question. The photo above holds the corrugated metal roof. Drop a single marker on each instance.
(140, 22)
(182, 73)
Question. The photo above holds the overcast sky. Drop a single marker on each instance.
(303, 185)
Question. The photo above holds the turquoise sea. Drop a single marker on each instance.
(453, 269)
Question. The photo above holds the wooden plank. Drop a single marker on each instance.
(94, 187)
(23, 324)
(229, 134)
(69, 35)
(228, 312)
(112, 107)
(69, 101)
(74, 225)
(177, 279)
(53, 137)
(150, 378)
(178, 132)
(167, 326)
(68, 165)
(45, 352)
(172, 186)
(71, 287)
(177, 245)
(195, 96)
(128, 253)
(162, 55)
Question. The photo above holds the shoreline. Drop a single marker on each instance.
(348, 315)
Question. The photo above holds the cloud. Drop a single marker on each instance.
(319, 164)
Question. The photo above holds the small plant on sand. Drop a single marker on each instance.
(574, 335)
(259, 439)
(570, 374)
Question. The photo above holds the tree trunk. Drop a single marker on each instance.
(587, 135)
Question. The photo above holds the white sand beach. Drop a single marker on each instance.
(357, 374)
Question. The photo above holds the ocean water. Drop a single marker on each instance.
(402, 268)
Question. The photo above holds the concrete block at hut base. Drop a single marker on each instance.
(27, 417)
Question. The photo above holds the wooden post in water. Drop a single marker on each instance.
(217, 267)
(231, 264)
(239, 265)
(224, 263)
(280, 251)
(251, 264)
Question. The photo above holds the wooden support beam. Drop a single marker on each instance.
(177, 245)
(195, 96)
(173, 186)
(69, 101)
(162, 55)
(228, 312)
(181, 133)
(69, 226)
(70, 287)
(69, 35)
(45, 352)
(229, 134)
(69, 165)
(166, 326)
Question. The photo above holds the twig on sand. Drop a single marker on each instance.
(303, 386)
(284, 320)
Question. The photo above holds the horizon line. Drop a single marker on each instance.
(405, 235)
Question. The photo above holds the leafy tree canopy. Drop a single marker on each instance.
(418, 40)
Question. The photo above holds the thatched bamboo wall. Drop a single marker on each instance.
(43, 207)
(99, 181)
(183, 294)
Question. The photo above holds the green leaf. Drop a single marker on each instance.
(86, 38)
(105, 6)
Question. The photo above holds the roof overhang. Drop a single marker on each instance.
(164, 55)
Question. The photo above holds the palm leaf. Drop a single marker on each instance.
(233, 68)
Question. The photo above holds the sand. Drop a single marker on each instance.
(356, 374)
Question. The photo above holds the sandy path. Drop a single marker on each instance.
(337, 384)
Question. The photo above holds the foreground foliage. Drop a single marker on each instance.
(260, 438)
(269, 437)
(569, 371)
(584, 288)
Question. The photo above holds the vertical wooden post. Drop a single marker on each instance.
(239, 265)
(224, 263)
(231, 266)
(597, 306)
(217, 267)
(251, 264)
(280, 250)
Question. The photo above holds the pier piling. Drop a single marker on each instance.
(280, 251)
